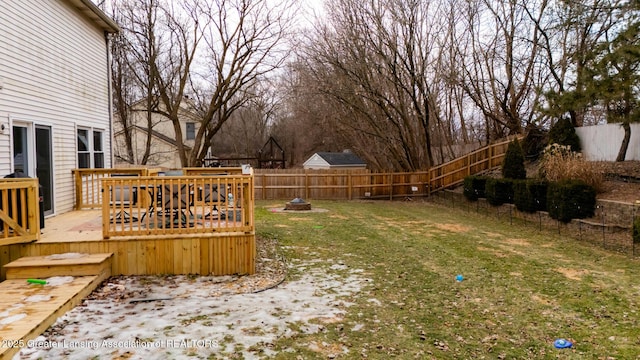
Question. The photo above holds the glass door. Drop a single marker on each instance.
(21, 149)
(44, 166)
(32, 156)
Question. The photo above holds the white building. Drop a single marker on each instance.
(164, 148)
(55, 103)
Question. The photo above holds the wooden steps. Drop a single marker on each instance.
(72, 264)
(27, 310)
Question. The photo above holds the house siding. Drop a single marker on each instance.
(54, 72)
(162, 153)
(316, 162)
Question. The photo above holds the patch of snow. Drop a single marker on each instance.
(7, 312)
(38, 298)
(65, 256)
(196, 323)
(375, 301)
(59, 280)
(13, 318)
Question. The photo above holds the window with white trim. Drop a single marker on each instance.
(90, 148)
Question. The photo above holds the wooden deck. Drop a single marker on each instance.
(222, 253)
(74, 226)
(29, 309)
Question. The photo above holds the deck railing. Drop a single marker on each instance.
(19, 211)
(88, 193)
(213, 202)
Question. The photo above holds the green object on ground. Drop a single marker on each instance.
(37, 281)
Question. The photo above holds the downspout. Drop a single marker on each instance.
(110, 97)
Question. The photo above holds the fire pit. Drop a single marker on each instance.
(297, 204)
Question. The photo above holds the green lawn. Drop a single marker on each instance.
(522, 288)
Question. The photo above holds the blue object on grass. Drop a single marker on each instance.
(562, 344)
(459, 278)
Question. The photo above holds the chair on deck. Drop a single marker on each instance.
(174, 200)
(124, 197)
(212, 196)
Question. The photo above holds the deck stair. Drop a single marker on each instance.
(70, 264)
(28, 309)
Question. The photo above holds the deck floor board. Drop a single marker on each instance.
(36, 307)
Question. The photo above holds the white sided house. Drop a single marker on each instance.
(334, 160)
(163, 149)
(55, 104)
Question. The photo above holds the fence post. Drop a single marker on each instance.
(349, 183)
(491, 155)
(78, 183)
(306, 185)
(264, 186)
(390, 186)
(429, 181)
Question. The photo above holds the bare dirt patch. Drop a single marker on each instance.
(299, 219)
(456, 228)
(621, 191)
(541, 300)
(573, 274)
(519, 242)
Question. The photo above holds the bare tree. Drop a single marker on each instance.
(499, 53)
(372, 61)
(203, 57)
(570, 32)
(248, 128)
(134, 50)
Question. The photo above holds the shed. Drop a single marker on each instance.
(334, 160)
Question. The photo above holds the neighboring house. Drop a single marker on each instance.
(330, 160)
(164, 148)
(55, 101)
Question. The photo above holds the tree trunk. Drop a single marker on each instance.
(625, 142)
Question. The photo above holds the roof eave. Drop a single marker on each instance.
(90, 10)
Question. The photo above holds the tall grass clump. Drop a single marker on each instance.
(560, 163)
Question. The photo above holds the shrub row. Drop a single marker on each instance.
(564, 200)
(474, 187)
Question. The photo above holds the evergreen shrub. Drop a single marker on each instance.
(499, 191)
(571, 199)
(474, 187)
(530, 195)
(513, 164)
(563, 133)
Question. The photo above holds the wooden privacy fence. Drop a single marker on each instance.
(177, 205)
(363, 184)
(19, 211)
